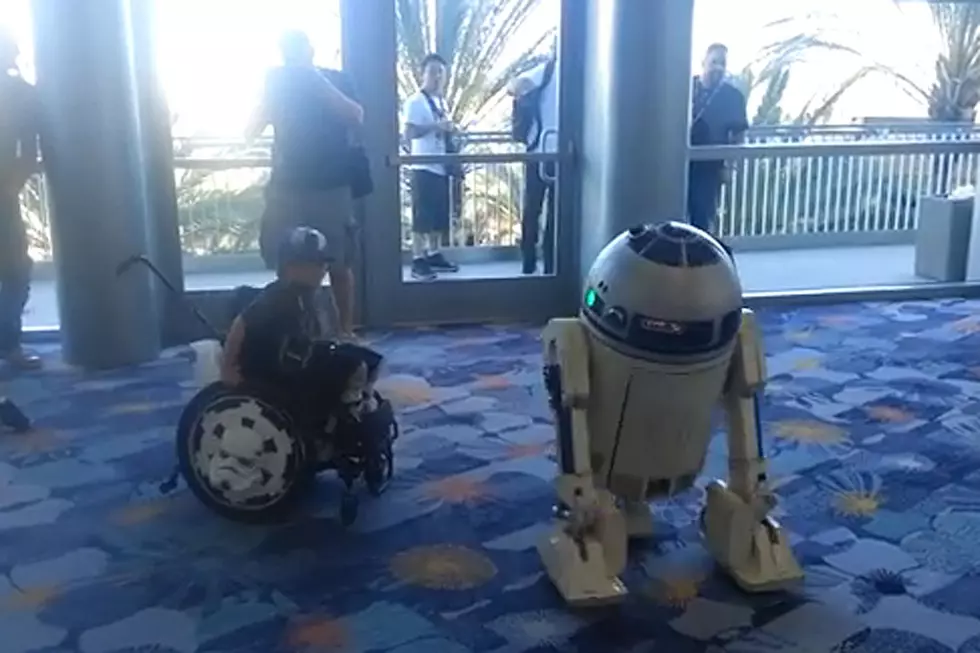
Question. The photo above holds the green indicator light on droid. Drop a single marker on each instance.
(591, 297)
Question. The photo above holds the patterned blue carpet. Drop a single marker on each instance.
(871, 420)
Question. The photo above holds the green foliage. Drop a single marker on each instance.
(952, 96)
(218, 212)
(473, 36)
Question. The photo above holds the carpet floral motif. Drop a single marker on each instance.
(871, 424)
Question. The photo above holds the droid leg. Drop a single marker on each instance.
(740, 534)
(585, 550)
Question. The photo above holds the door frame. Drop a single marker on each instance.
(370, 54)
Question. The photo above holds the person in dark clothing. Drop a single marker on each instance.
(539, 88)
(316, 121)
(278, 341)
(718, 117)
(18, 162)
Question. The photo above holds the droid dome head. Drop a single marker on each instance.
(666, 292)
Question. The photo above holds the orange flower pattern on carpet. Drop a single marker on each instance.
(492, 382)
(518, 451)
(443, 567)
(889, 414)
(140, 512)
(809, 432)
(30, 598)
(314, 634)
(676, 592)
(457, 489)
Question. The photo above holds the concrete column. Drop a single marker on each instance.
(93, 149)
(634, 129)
(370, 54)
(163, 234)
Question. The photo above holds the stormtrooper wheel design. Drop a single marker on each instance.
(239, 456)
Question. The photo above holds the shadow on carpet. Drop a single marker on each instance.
(871, 422)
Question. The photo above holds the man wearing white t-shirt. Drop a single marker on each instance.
(536, 94)
(429, 130)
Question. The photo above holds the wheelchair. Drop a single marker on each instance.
(252, 454)
(248, 457)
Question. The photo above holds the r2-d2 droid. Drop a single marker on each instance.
(660, 341)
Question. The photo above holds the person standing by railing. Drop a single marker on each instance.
(19, 134)
(535, 123)
(316, 118)
(430, 131)
(718, 117)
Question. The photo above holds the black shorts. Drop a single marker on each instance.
(430, 202)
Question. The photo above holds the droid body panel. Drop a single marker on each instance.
(649, 423)
(661, 341)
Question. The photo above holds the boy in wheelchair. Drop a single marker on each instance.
(278, 347)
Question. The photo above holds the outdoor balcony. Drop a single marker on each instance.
(800, 223)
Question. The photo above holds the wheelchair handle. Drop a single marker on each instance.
(141, 259)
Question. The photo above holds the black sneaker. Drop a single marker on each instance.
(422, 269)
(438, 263)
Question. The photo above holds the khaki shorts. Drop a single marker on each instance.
(331, 212)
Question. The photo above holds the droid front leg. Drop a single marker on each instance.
(584, 551)
(740, 533)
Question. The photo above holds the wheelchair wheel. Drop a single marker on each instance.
(239, 456)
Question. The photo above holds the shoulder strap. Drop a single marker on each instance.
(436, 111)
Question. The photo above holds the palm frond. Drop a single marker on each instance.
(954, 92)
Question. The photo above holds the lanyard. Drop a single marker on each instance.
(698, 86)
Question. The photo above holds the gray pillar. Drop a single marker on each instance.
(163, 234)
(370, 56)
(634, 128)
(92, 147)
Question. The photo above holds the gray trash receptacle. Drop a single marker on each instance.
(942, 238)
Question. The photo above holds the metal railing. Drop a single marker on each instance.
(864, 189)
(795, 185)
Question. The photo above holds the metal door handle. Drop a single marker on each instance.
(543, 166)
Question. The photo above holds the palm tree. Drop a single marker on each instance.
(948, 87)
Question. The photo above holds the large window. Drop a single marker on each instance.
(836, 79)
(213, 57)
(485, 48)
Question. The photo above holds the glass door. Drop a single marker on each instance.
(466, 223)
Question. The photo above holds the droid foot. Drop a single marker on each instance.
(639, 519)
(578, 570)
(753, 550)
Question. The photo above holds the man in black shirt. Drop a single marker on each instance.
(18, 161)
(278, 341)
(316, 118)
(718, 118)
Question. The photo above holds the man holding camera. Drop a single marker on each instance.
(430, 132)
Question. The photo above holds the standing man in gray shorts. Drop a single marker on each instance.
(316, 117)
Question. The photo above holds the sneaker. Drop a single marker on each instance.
(422, 269)
(439, 263)
(22, 360)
